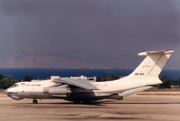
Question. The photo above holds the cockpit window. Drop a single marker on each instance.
(15, 85)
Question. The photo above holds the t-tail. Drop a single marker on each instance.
(152, 65)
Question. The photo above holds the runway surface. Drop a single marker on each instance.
(132, 108)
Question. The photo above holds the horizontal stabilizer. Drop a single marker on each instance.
(155, 52)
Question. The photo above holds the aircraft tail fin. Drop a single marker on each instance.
(153, 64)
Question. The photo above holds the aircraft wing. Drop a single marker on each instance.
(77, 83)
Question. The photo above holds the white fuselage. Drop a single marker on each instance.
(118, 86)
(30, 89)
(37, 89)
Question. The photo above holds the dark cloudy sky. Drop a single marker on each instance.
(86, 33)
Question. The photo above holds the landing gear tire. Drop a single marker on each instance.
(35, 101)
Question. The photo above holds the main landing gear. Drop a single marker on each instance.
(35, 101)
(83, 101)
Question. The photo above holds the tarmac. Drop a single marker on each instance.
(132, 108)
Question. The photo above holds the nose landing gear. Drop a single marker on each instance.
(35, 101)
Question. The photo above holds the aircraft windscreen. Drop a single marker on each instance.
(15, 85)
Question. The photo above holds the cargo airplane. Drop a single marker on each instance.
(143, 77)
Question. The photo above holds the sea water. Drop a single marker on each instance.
(45, 73)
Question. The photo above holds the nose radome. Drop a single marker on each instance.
(6, 91)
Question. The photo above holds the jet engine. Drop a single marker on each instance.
(60, 90)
